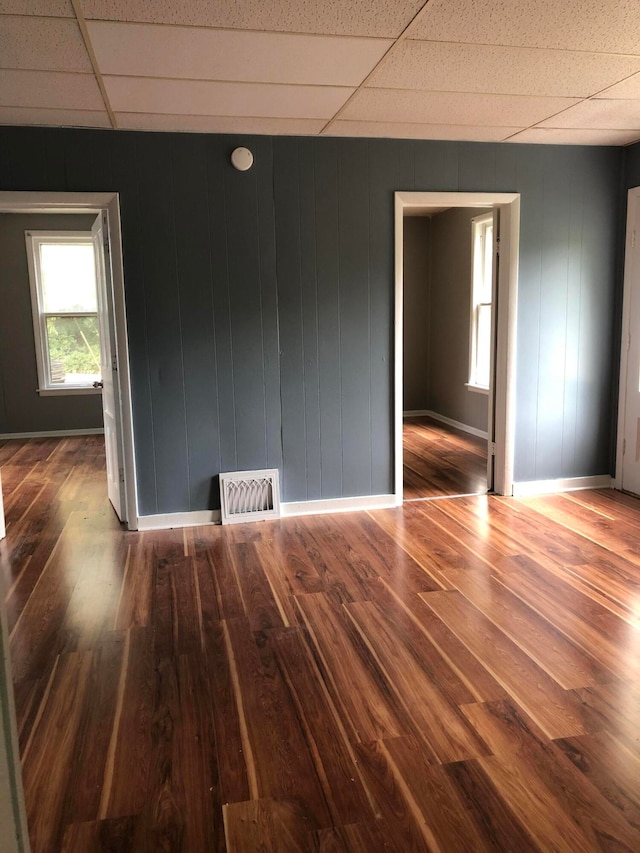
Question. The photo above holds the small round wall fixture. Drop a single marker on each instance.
(242, 159)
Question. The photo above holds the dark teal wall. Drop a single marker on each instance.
(260, 304)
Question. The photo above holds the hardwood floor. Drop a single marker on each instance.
(455, 675)
(440, 461)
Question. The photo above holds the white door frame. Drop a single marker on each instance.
(630, 260)
(91, 202)
(506, 308)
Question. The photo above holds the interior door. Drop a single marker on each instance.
(108, 360)
(629, 410)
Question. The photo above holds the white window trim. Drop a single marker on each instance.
(34, 240)
(472, 384)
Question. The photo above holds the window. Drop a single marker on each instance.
(482, 286)
(65, 310)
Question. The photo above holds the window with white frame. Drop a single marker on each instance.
(65, 310)
(481, 296)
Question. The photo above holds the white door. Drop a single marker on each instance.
(108, 359)
(629, 408)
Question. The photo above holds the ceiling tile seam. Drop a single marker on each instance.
(379, 64)
(419, 123)
(75, 72)
(77, 8)
(35, 17)
(236, 30)
(233, 82)
(51, 109)
(484, 94)
(607, 53)
(286, 118)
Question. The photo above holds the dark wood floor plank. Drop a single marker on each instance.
(347, 797)
(436, 718)
(555, 710)
(50, 752)
(449, 674)
(278, 763)
(356, 682)
(565, 662)
(266, 825)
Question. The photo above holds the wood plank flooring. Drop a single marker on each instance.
(440, 461)
(454, 675)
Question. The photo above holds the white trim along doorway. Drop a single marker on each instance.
(627, 476)
(502, 397)
(106, 204)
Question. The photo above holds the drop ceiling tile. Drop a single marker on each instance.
(52, 8)
(330, 17)
(446, 67)
(52, 44)
(54, 118)
(576, 136)
(400, 130)
(402, 105)
(599, 114)
(52, 89)
(200, 97)
(611, 26)
(204, 54)
(221, 124)
(629, 88)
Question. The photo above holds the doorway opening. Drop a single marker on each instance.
(114, 355)
(480, 455)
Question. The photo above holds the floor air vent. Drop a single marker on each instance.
(249, 496)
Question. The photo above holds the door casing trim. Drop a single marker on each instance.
(505, 368)
(92, 202)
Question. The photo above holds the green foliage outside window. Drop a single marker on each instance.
(74, 344)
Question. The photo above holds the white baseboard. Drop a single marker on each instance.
(329, 505)
(567, 484)
(288, 510)
(179, 519)
(425, 413)
(50, 433)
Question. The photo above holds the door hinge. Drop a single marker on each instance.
(633, 239)
(492, 448)
(497, 246)
(624, 446)
(114, 362)
(121, 474)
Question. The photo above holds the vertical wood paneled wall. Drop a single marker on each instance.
(260, 304)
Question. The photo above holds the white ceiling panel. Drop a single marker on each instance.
(330, 17)
(399, 130)
(449, 108)
(204, 54)
(603, 25)
(199, 97)
(575, 136)
(54, 118)
(450, 67)
(600, 115)
(221, 124)
(52, 89)
(42, 43)
(53, 8)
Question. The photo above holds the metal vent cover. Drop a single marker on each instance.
(249, 495)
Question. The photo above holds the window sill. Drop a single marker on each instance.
(64, 392)
(477, 389)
